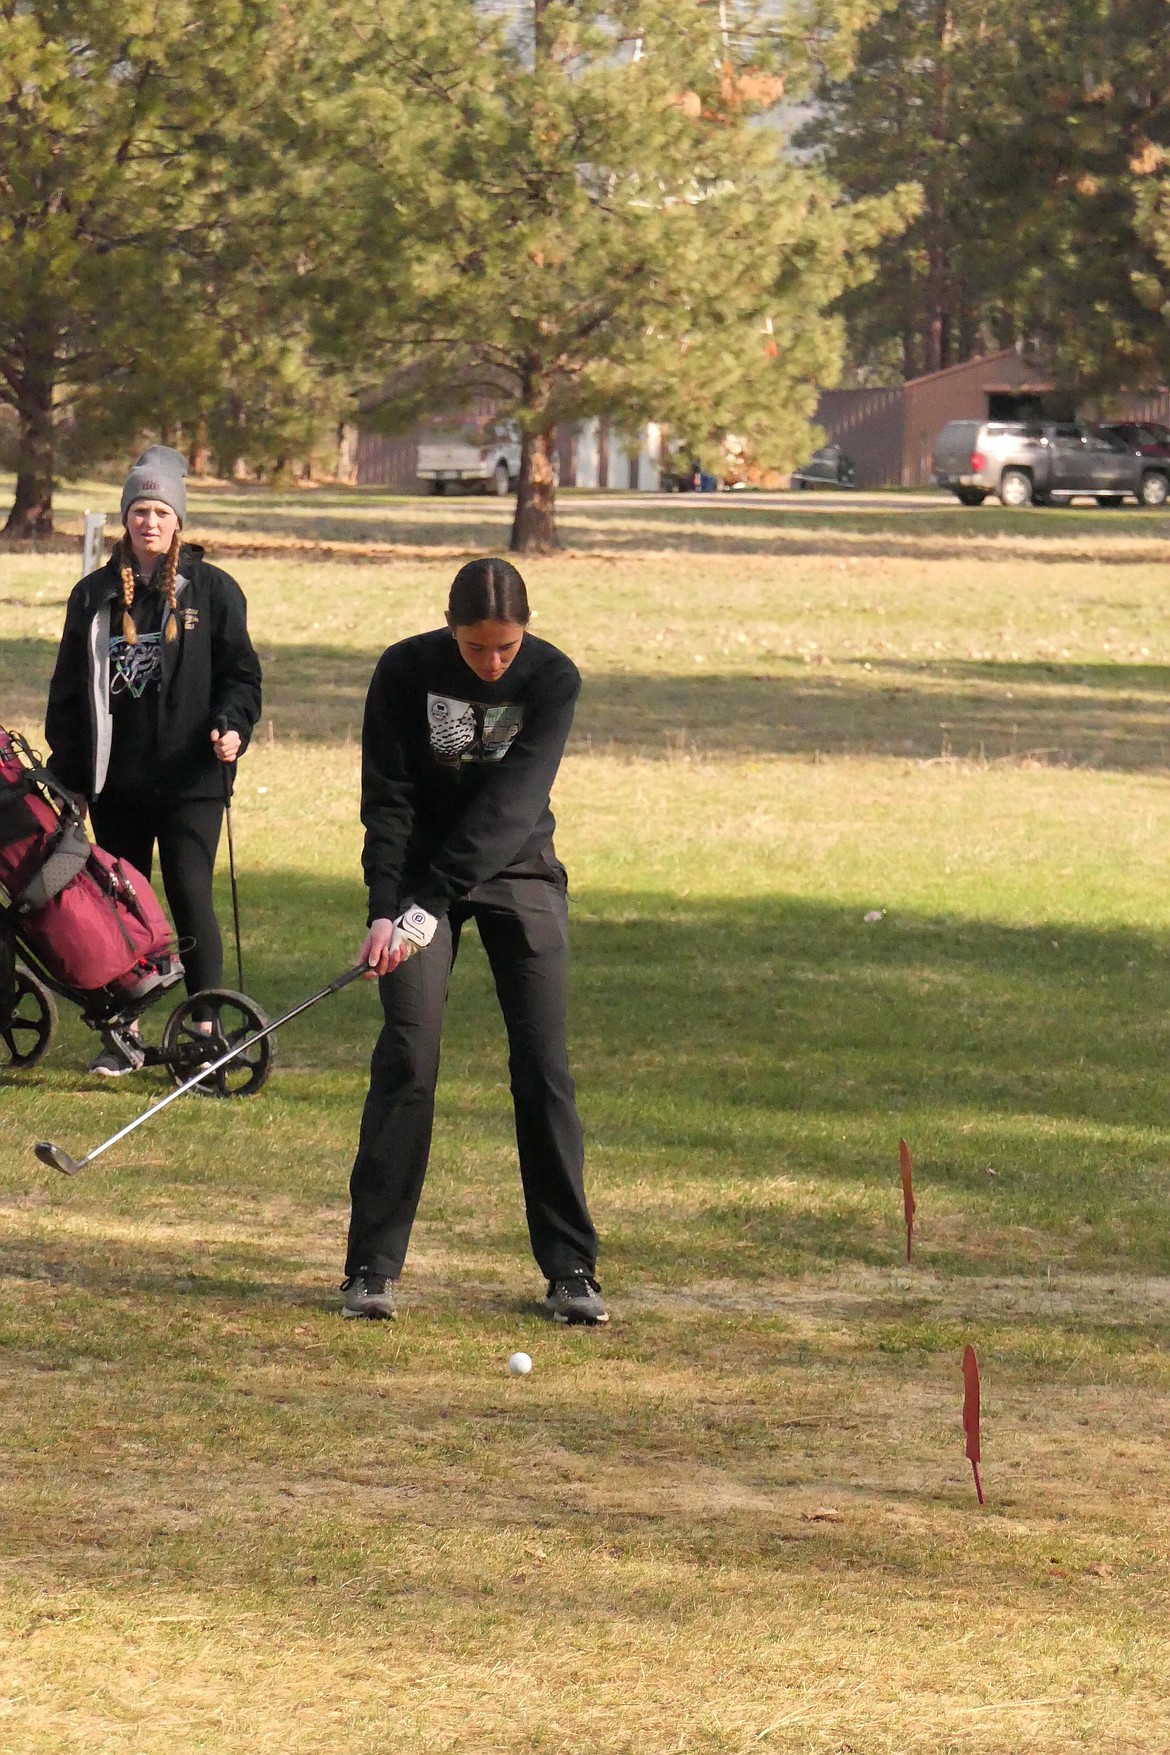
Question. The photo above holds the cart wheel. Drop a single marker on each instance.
(26, 1027)
(235, 1017)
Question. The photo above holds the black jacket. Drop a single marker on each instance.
(210, 676)
(456, 772)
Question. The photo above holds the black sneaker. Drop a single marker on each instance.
(370, 1295)
(121, 1054)
(576, 1299)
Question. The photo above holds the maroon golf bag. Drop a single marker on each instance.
(92, 922)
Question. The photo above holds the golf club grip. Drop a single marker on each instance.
(354, 974)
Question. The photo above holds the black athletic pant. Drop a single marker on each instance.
(523, 923)
(187, 832)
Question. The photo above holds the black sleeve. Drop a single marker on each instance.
(387, 791)
(68, 731)
(235, 668)
(504, 811)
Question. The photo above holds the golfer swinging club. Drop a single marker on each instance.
(463, 735)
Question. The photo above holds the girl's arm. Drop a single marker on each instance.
(235, 668)
(387, 793)
(67, 716)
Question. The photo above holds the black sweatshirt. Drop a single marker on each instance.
(135, 671)
(456, 772)
(209, 675)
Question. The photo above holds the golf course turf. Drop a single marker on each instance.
(741, 1518)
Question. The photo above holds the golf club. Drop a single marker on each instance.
(227, 809)
(59, 1159)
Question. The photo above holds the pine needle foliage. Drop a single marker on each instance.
(579, 212)
(133, 173)
(1038, 135)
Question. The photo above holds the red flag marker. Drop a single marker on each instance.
(908, 1202)
(971, 1414)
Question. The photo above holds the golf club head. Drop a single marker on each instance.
(57, 1158)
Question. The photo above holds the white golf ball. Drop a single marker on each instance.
(519, 1364)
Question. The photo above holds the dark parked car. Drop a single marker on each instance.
(1046, 463)
(828, 467)
(686, 478)
(1149, 437)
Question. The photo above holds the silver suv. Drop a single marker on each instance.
(1043, 462)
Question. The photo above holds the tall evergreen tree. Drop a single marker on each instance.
(583, 216)
(1028, 129)
(124, 140)
(1091, 89)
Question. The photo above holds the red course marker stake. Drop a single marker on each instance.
(971, 1414)
(908, 1202)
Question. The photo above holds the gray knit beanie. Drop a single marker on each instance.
(159, 474)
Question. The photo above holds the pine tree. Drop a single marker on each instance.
(1029, 130)
(1091, 87)
(123, 165)
(582, 215)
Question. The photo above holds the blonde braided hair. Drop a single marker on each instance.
(126, 567)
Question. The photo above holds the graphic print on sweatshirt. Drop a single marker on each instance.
(134, 669)
(464, 731)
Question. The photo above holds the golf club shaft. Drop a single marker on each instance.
(204, 1072)
(227, 807)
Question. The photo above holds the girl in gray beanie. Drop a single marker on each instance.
(159, 478)
(153, 700)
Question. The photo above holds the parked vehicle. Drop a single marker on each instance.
(685, 476)
(828, 467)
(1149, 437)
(1046, 463)
(488, 460)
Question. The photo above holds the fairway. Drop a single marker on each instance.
(741, 1518)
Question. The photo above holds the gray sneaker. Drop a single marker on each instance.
(122, 1054)
(370, 1295)
(576, 1299)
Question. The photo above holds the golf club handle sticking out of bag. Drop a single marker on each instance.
(58, 1159)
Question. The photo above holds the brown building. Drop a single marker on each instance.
(387, 463)
(890, 433)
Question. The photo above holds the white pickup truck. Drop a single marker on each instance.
(492, 460)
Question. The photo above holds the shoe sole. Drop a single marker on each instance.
(580, 1321)
(113, 1072)
(368, 1315)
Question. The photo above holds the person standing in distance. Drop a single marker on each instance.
(463, 735)
(154, 696)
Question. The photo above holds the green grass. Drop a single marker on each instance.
(742, 1518)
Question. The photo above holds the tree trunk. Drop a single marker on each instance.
(199, 456)
(534, 528)
(32, 509)
(968, 324)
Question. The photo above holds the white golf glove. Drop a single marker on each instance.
(413, 931)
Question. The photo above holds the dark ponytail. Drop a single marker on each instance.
(488, 591)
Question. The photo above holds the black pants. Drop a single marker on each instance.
(187, 832)
(523, 923)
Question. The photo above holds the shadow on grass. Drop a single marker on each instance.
(731, 525)
(1095, 715)
(1106, 716)
(242, 520)
(745, 1072)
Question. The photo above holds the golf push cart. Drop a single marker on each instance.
(81, 926)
